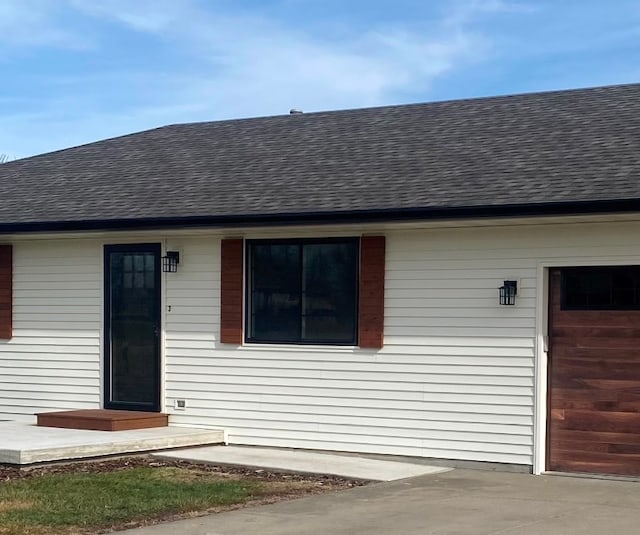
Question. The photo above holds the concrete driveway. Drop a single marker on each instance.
(460, 502)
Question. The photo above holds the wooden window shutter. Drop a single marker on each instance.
(231, 277)
(6, 291)
(371, 293)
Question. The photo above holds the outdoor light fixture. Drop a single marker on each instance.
(508, 293)
(170, 262)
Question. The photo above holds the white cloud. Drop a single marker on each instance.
(33, 23)
(251, 65)
(464, 11)
(239, 64)
(277, 71)
(152, 16)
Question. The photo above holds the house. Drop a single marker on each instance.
(334, 280)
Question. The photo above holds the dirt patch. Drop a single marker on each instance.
(12, 505)
(10, 473)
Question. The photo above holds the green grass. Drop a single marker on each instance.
(79, 501)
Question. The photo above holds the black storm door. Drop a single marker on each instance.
(132, 327)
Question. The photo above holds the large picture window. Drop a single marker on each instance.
(302, 291)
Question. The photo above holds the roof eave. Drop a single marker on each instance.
(324, 218)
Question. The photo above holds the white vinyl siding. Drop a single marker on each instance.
(454, 380)
(53, 360)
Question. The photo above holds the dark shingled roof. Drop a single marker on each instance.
(510, 154)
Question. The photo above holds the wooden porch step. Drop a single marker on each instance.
(103, 419)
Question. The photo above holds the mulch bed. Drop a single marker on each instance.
(11, 472)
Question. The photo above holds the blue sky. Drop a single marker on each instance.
(75, 71)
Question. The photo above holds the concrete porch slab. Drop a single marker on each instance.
(22, 443)
(305, 461)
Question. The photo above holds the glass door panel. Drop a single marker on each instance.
(132, 330)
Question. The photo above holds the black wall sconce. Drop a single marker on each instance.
(170, 262)
(508, 293)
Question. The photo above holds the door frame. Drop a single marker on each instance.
(147, 247)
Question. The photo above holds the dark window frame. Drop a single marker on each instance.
(248, 335)
(605, 270)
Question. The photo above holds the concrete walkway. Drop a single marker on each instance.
(459, 502)
(304, 462)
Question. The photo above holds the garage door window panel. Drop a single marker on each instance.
(601, 288)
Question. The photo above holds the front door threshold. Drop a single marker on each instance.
(102, 419)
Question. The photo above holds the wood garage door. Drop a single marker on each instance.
(594, 370)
